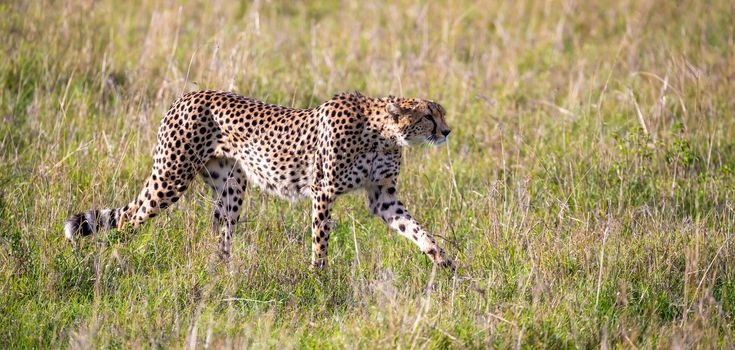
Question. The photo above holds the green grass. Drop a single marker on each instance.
(586, 192)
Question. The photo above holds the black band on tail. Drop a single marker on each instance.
(90, 222)
(80, 224)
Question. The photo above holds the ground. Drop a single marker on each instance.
(586, 192)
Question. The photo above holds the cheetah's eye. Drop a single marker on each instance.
(429, 117)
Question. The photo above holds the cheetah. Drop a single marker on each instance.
(347, 143)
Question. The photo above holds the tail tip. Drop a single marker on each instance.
(69, 229)
(79, 224)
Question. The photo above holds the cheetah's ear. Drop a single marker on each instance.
(396, 111)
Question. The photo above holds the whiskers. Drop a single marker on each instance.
(433, 140)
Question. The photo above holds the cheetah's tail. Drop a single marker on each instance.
(91, 221)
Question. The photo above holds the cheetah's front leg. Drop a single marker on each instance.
(383, 203)
(321, 225)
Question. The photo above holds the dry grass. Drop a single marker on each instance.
(587, 189)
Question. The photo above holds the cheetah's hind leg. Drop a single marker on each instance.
(227, 181)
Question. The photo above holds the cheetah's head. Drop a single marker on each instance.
(419, 121)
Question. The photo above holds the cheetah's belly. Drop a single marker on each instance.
(279, 182)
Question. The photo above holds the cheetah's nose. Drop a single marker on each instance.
(446, 132)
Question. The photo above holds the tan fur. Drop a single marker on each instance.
(347, 143)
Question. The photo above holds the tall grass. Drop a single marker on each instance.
(586, 191)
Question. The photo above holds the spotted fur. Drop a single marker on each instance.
(349, 142)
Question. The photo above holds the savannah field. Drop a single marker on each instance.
(587, 192)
